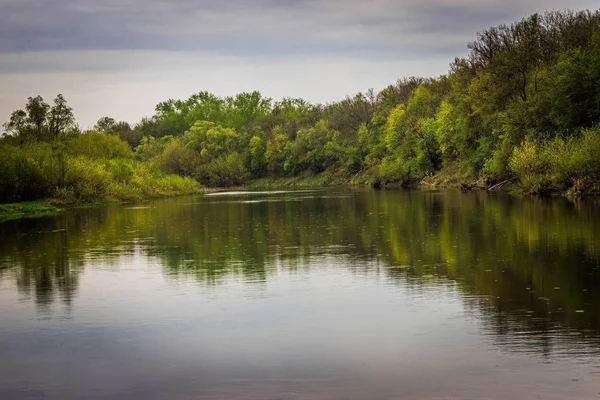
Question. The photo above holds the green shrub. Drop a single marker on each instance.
(558, 164)
(121, 170)
(528, 163)
(222, 171)
(179, 159)
(86, 180)
(125, 191)
(98, 145)
(151, 148)
(10, 179)
(585, 155)
(29, 172)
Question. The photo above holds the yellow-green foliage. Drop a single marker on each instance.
(531, 168)
(80, 169)
(29, 172)
(178, 158)
(150, 147)
(98, 145)
(226, 170)
(85, 179)
(121, 179)
(207, 152)
(558, 164)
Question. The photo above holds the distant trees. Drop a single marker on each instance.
(40, 121)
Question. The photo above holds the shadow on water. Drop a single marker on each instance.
(528, 268)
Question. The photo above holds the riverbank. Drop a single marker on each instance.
(42, 208)
(363, 178)
(27, 209)
(447, 178)
(450, 177)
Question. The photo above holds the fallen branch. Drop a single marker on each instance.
(498, 185)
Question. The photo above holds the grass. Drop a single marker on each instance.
(27, 209)
(41, 208)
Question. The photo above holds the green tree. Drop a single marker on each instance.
(257, 151)
(105, 124)
(60, 117)
(37, 115)
(17, 125)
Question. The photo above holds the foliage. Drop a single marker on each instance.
(558, 164)
(81, 169)
(98, 145)
(208, 153)
(39, 121)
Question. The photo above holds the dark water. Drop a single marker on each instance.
(314, 294)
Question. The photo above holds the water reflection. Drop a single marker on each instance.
(528, 268)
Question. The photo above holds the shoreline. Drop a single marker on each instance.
(50, 207)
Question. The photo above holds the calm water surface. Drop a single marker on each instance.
(307, 294)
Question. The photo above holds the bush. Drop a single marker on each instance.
(223, 171)
(393, 170)
(86, 180)
(585, 156)
(151, 148)
(530, 166)
(98, 145)
(178, 159)
(558, 164)
(10, 181)
(30, 172)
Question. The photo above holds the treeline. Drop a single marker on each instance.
(48, 157)
(524, 105)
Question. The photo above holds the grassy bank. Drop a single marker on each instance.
(28, 209)
(41, 208)
(75, 170)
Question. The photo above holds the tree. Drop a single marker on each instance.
(17, 124)
(37, 114)
(257, 150)
(61, 117)
(245, 109)
(275, 150)
(105, 124)
(121, 128)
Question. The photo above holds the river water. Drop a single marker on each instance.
(304, 294)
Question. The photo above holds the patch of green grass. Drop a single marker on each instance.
(28, 209)
(52, 206)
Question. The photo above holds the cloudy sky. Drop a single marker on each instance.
(121, 57)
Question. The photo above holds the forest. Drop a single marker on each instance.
(523, 106)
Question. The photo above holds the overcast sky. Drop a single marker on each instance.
(121, 57)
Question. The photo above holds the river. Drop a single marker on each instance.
(304, 294)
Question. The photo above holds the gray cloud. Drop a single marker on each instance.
(142, 51)
(253, 26)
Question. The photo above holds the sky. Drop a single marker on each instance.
(120, 58)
